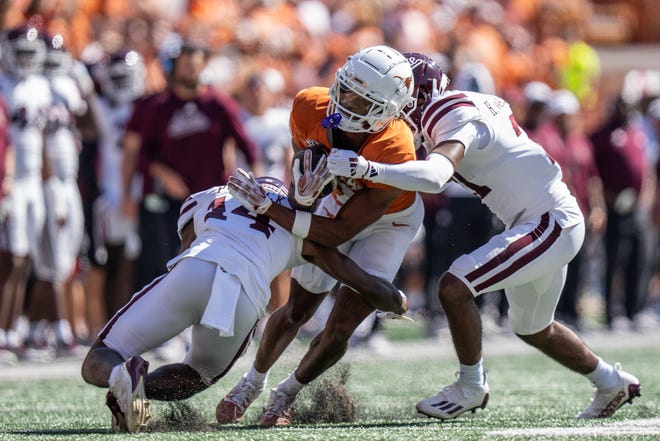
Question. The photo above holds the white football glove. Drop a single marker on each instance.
(248, 191)
(309, 184)
(349, 164)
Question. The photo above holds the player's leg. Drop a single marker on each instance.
(153, 315)
(324, 351)
(17, 232)
(331, 344)
(281, 328)
(209, 358)
(514, 257)
(53, 266)
(279, 291)
(283, 325)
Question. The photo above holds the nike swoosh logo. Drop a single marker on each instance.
(394, 224)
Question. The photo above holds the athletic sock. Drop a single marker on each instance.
(473, 374)
(256, 377)
(114, 374)
(604, 376)
(290, 386)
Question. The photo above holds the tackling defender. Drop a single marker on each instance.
(474, 139)
(219, 285)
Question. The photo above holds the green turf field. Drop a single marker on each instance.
(531, 398)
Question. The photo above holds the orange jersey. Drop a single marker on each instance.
(393, 145)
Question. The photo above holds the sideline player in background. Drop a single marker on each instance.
(474, 139)
(373, 224)
(28, 98)
(114, 243)
(220, 285)
(62, 236)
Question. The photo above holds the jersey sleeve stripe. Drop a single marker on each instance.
(437, 116)
(435, 106)
(187, 207)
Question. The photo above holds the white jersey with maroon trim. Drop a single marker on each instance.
(61, 141)
(512, 175)
(242, 243)
(27, 101)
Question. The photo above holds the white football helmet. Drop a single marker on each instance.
(23, 51)
(122, 76)
(371, 89)
(58, 59)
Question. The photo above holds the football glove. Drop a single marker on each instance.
(349, 164)
(248, 191)
(309, 183)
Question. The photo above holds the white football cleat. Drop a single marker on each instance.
(455, 399)
(605, 402)
(232, 407)
(126, 396)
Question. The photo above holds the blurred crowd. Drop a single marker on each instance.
(93, 80)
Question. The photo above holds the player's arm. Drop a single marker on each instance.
(187, 235)
(131, 146)
(362, 209)
(428, 176)
(10, 166)
(380, 293)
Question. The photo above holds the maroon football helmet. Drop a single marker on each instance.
(430, 81)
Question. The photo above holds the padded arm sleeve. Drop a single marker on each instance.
(429, 176)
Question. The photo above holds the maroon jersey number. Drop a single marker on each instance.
(260, 222)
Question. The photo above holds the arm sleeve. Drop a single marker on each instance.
(429, 176)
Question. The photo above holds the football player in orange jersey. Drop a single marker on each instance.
(371, 223)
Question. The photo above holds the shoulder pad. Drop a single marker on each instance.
(448, 112)
(195, 202)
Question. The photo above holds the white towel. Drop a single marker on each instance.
(221, 308)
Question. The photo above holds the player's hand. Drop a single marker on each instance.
(394, 316)
(349, 164)
(309, 183)
(245, 188)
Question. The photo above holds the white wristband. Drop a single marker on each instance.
(302, 223)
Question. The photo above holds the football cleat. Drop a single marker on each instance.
(454, 400)
(278, 409)
(126, 396)
(606, 401)
(232, 407)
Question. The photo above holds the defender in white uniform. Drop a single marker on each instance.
(219, 285)
(474, 139)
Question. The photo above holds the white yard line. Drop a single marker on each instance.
(644, 427)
